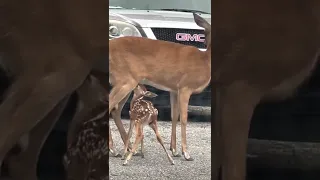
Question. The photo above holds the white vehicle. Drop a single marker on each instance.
(163, 20)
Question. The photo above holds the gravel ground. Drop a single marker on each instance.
(155, 165)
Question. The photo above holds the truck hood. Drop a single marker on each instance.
(157, 18)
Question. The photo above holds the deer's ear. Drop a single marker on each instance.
(150, 94)
(201, 22)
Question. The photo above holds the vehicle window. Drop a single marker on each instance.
(199, 5)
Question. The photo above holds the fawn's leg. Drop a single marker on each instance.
(77, 169)
(142, 146)
(126, 144)
(174, 117)
(139, 136)
(154, 126)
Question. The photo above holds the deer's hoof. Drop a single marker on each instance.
(175, 153)
(125, 163)
(118, 155)
(113, 153)
(123, 157)
(136, 153)
(172, 163)
(187, 156)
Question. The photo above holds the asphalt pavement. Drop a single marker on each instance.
(155, 165)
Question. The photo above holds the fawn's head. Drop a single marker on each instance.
(140, 91)
(207, 28)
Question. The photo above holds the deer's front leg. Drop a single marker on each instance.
(184, 96)
(119, 92)
(116, 115)
(238, 102)
(127, 140)
(36, 99)
(111, 147)
(24, 165)
(174, 117)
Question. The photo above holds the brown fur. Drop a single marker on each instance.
(183, 70)
(87, 153)
(49, 48)
(262, 50)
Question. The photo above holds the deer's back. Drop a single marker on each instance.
(265, 43)
(158, 61)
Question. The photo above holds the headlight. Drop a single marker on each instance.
(120, 29)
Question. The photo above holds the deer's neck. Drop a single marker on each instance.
(208, 56)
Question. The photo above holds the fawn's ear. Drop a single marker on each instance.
(150, 94)
(201, 22)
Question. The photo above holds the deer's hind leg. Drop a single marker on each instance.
(154, 126)
(238, 102)
(142, 145)
(139, 137)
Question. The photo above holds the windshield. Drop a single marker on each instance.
(198, 5)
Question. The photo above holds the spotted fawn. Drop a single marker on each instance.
(142, 112)
(87, 155)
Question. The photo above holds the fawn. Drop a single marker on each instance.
(88, 154)
(142, 112)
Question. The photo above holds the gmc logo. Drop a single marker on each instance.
(189, 37)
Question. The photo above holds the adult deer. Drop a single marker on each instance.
(262, 50)
(50, 47)
(181, 70)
